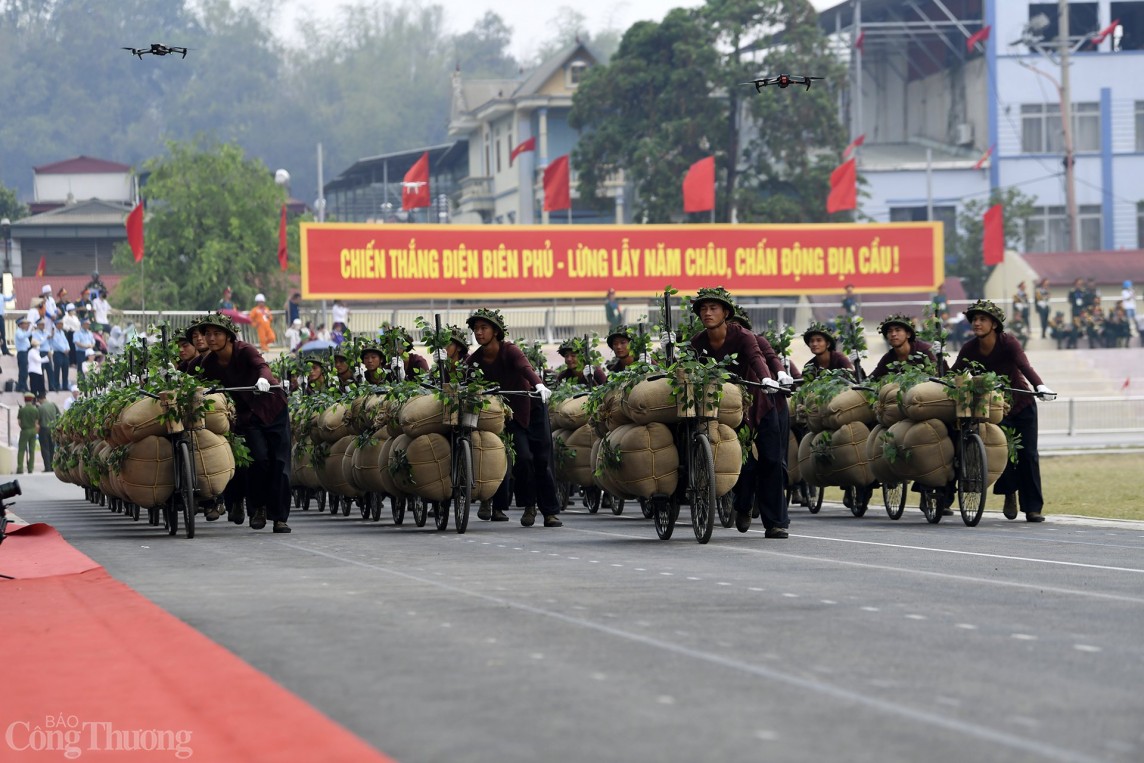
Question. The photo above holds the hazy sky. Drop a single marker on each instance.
(531, 20)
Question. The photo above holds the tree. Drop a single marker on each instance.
(212, 221)
(649, 111)
(968, 261)
(483, 51)
(10, 206)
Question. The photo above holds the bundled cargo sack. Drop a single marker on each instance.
(848, 465)
(315, 428)
(332, 476)
(430, 463)
(649, 460)
(929, 400)
(651, 402)
(214, 463)
(367, 466)
(847, 407)
(221, 415)
(886, 408)
(577, 467)
(794, 474)
(492, 417)
(875, 455)
(727, 454)
(807, 464)
(996, 450)
(348, 466)
(385, 475)
(610, 414)
(812, 413)
(930, 460)
(147, 476)
(421, 415)
(302, 469)
(332, 425)
(604, 478)
(561, 460)
(490, 464)
(138, 421)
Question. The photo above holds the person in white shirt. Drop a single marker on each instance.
(101, 307)
(36, 369)
(69, 401)
(49, 301)
(340, 313)
(294, 335)
(71, 320)
(1128, 299)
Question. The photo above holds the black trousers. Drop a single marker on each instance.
(531, 470)
(1023, 477)
(767, 477)
(266, 482)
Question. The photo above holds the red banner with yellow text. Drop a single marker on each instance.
(370, 261)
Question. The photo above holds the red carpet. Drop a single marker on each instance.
(93, 667)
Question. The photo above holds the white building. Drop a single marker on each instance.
(921, 88)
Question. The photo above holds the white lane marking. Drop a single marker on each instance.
(694, 578)
(665, 699)
(791, 595)
(757, 590)
(915, 617)
(1023, 636)
(766, 735)
(1086, 648)
(829, 601)
(870, 609)
(722, 583)
(894, 709)
(966, 626)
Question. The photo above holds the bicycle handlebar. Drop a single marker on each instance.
(1039, 395)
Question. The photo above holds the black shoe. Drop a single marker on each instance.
(236, 513)
(1010, 509)
(551, 520)
(1034, 516)
(484, 512)
(776, 532)
(281, 527)
(742, 521)
(946, 511)
(258, 518)
(499, 516)
(529, 517)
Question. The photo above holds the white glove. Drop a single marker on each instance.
(262, 385)
(396, 364)
(1046, 393)
(588, 373)
(441, 355)
(665, 338)
(855, 356)
(770, 383)
(545, 393)
(785, 379)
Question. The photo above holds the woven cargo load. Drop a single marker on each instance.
(385, 477)
(847, 407)
(302, 469)
(930, 452)
(492, 417)
(929, 400)
(421, 415)
(111, 484)
(214, 463)
(651, 402)
(348, 466)
(221, 415)
(147, 476)
(367, 466)
(138, 421)
(794, 473)
(996, 450)
(570, 414)
(610, 414)
(812, 413)
(605, 479)
(727, 455)
(429, 457)
(879, 465)
(332, 475)
(886, 408)
(807, 464)
(577, 466)
(490, 464)
(649, 460)
(847, 465)
(332, 425)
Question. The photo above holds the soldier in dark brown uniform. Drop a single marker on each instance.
(900, 331)
(822, 343)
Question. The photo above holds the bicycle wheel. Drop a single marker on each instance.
(646, 508)
(859, 499)
(727, 510)
(171, 514)
(441, 515)
(931, 506)
(185, 486)
(617, 506)
(347, 504)
(815, 504)
(704, 504)
(396, 508)
(462, 485)
(593, 497)
(894, 498)
(563, 492)
(665, 510)
(419, 508)
(971, 479)
(364, 505)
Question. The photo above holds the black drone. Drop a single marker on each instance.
(783, 80)
(157, 49)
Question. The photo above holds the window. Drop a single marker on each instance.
(1140, 225)
(498, 151)
(1041, 128)
(1131, 17)
(1083, 18)
(576, 72)
(488, 153)
(1048, 229)
(947, 216)
(1140, 126)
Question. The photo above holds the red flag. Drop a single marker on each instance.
(43, 266)
(282, 251)
(843, 187)
(557, 185)
(699, 186)
(981, 35)
(993, 236)
(135, 231)
(1127, 383)
(415, 185)
(860, 43)
(528, 145)
(984, 157)
(853, 145)
(1103, 33)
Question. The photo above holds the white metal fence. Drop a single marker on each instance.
(1092, 415)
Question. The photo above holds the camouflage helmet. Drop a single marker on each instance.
(460, 336)
(713, 294)
(986, 307)
(742, 318)
(490, 316)
(620, 332)
(566, 347)
(370, 346)
(823, 330)
(898, 319)
(218, 320)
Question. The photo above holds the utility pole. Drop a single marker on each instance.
(1066, 119)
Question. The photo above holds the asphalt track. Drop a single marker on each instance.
(856, 639)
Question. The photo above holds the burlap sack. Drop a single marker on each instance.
(651, 402)
(136, 422)
(610, 413)
(490, 464)
(928, 400)
(847, 407)
(492, 417)
(430, 463)
(573, 411)
(221, 415)
(931, 459)
(387, 481)
(332, 475)
(849, 466)
(807, 463)
(812, 414)
(604, 478)
(367, 467)
(561, 465)
(315, 428)
(996, 450)
(111, 484)
(302, 471)
(577, 466)
(649, 462)
(214, 463)
(727, 454)
(886, 409)
(348, 466)
(422, 415)
(332, 425)
(997, 407)
(879, 466)
(794, 473)
(147, 477)
(901, 466)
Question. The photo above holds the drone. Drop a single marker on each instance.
(782, 80)
(157, 49)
